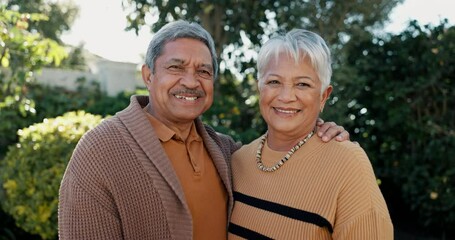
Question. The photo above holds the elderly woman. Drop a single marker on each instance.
(289, 184)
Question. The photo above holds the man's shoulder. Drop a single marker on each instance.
(104, 134)
(214, 134)
(224, 141)
(105, 128)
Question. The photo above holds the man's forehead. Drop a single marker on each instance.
(183, 52)
(179, 61)
(175, 61)
(185, 39)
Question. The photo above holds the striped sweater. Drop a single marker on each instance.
(324, 191)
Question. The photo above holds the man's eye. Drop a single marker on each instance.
(205, 73)
(174, 67)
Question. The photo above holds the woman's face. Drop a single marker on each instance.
(290, 96)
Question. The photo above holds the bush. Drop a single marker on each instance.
(31, 172)
(403, 115)
(51, 102)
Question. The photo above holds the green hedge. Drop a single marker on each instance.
(402, 108)
(31, 172)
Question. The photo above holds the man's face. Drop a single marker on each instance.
(181, 89)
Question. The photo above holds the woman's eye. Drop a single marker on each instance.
(302, 84)
(272, 82)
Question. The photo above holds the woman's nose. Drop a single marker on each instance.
(287, 94)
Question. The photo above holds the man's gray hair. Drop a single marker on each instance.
(176, 30)
(299, 44)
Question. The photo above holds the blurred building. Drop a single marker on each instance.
(113, 77)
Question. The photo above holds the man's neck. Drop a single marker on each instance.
(181, 129)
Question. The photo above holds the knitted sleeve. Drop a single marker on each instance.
(86, 208)
(362, 212)
(81, 216)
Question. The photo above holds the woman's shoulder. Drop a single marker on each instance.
(345, 148)
(348, 146)
(343, 155)
(252, 146)
(246, 151)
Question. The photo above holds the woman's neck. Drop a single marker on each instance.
(284, 142)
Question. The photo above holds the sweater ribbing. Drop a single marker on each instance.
(334, 181)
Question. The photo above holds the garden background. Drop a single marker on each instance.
(393, 92)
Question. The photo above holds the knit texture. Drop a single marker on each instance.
(324, 191)
(119, 183)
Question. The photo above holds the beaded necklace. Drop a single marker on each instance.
(284, 159)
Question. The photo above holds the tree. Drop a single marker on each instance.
(402, 110)
(230, 22)
(239, 27)
(76, 59)
(22, 53)
(63, 15)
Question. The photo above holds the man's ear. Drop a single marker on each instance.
(146, 75)
(325, 95)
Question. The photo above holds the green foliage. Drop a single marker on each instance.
(52, 102)
(63, 15)
(75, 60)
(239, 28)
(21, 54)
(55, 101)
(9, 230)
(32, 169)
(243, 123)
(402, 110)
(227, 21)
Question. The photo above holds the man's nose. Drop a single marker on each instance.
(190, 79)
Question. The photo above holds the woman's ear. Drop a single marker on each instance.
(258, 85)
(325, 95)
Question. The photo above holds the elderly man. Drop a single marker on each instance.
(154, 170)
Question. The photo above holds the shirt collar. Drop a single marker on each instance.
(164, 133)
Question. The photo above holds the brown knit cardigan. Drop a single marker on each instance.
(119, 183)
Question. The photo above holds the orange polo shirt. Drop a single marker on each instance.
(204, 191)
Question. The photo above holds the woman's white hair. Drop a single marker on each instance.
(300, 44)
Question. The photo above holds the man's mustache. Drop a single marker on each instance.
(187, 91)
